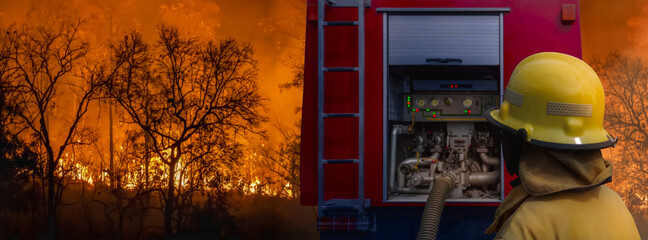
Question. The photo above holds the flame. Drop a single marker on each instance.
(72, 169)
(252, 184)
(275, 28)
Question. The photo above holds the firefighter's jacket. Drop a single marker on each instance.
(562, 196)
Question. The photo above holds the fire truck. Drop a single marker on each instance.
(394, 97)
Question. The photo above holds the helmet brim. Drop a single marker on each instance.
(492, 116)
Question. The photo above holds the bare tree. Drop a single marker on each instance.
(17, 160)
(186, 96)
(625, 80)
(283, 159)
(42, 64)
(128, 186)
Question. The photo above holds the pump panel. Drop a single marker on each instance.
(440, 106)
(443, 74)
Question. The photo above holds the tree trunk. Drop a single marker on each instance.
(51, 203)
(147, 160)
(170, 199)
(120, 213)
(6, 222)
(141, 222)
(111, 145)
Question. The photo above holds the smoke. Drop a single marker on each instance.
(608, 26)
(622, 27)
(276, 28)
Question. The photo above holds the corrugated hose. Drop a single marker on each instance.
(434, 207)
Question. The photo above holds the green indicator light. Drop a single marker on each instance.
(466, 111)
(427, 110)
(433, 112)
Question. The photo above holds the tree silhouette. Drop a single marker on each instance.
(41, 64)
(191, 99)
(283, 159)
(625, 80)
(17, 160)
(128, 185)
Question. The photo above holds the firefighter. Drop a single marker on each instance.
(552, 132)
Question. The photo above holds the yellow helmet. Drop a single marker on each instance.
(557, 100)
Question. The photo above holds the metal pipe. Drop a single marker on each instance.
(485, 178)
(407, 166)
(432, 169)
(424, 161)
(412, 162)
(435, 155)
(397, 129)
(401, 181)
(402, 189)
(488, 160)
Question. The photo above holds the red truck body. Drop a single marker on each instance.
(528, 27)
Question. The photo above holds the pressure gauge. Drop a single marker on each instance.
(420, 102)
(434, 102)
(467, 102)
(447, 101)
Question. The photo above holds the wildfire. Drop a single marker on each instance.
(253, 184)
(272, 20)
(76, 171)
(71, 168)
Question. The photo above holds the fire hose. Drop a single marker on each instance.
(434, 207)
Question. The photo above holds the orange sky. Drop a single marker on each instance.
(614, 26)
(274, 27)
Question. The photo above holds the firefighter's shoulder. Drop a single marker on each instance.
(597, 213)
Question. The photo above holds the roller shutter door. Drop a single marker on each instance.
(444, 39)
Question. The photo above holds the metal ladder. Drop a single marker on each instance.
(351, 211)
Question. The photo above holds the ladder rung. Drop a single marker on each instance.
(340, 69)
(339, 161)
(341, 23)
(347, 3)
(340, 115)
(335, 207)
(341, 204)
